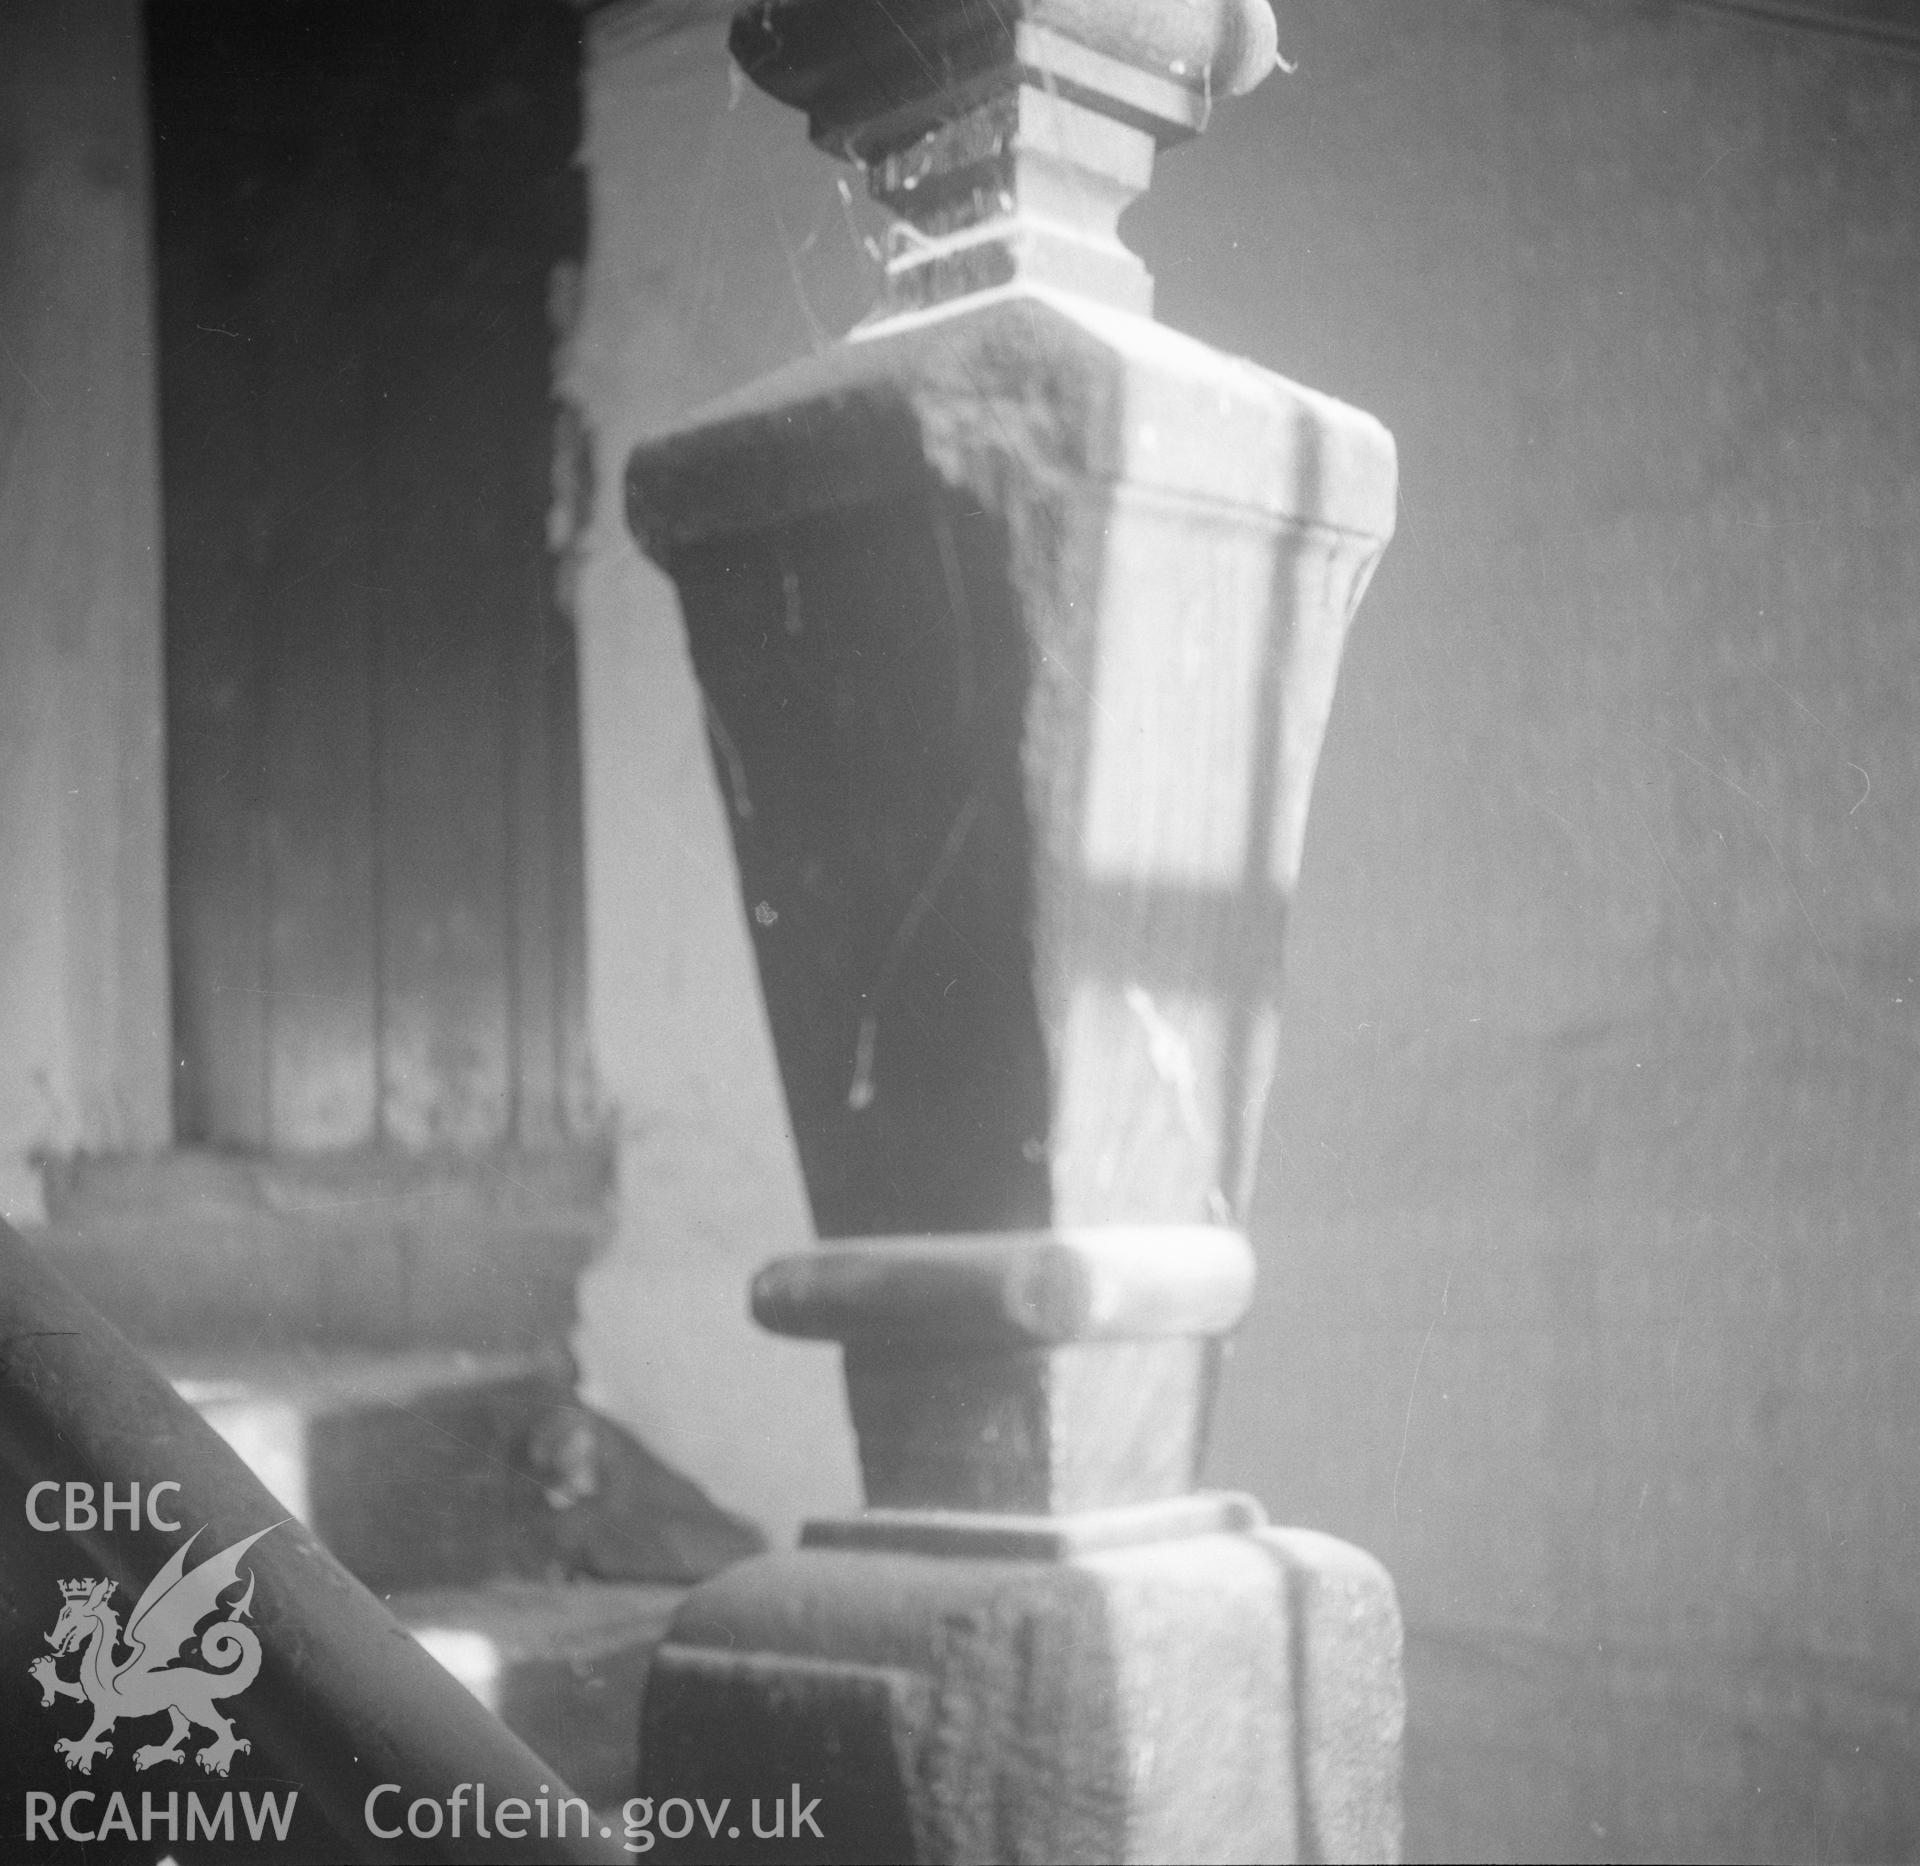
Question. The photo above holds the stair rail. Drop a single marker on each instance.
(346, 1707)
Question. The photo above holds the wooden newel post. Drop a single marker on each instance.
(1018, 617)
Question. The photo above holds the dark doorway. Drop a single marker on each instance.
(369, 220)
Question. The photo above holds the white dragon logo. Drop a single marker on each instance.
(152, 1679)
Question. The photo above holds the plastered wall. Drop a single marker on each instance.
(1588, 1222)
(84, 1044)
(712, 258)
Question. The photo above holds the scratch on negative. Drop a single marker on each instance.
(19, 369)
(465, 1444)
(912, 44)
(860, 1091)
(1680, 893)
(1719, 777)
(1406, 1424)
(1795, 699)
(730, 755)
(1773, 849)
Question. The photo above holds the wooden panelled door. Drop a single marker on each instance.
(367, 216)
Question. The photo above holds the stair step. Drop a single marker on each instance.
(561, 1664)
(200, 1249)
(413, 1468)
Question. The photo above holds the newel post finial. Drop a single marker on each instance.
(1018, 619)
(1006, 137)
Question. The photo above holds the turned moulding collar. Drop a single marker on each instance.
(1007, 137)
(873, 75)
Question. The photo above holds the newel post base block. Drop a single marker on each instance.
(1100, 1687)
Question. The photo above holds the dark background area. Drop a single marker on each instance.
(368, 225)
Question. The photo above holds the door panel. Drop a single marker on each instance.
(376, 886)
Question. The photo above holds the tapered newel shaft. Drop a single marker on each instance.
(1018, 618)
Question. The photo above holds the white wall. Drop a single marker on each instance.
(1587, 1233)
(719, 248)
(84, 1029)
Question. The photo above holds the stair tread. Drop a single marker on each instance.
(332, 1381)
(527, 1618)
(445, 1468)
(461, 1484)
(413, 1466)
(562, 1664)
(196, 1248)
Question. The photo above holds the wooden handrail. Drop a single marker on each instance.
(345, 1699)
